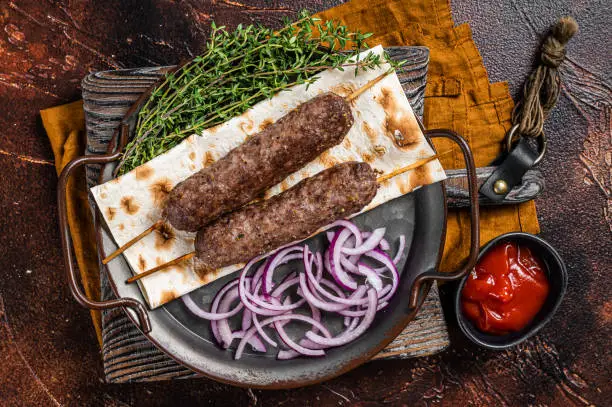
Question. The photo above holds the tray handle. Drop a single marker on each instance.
(71, 274)
(474, 218)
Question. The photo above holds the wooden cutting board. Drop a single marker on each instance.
(127, 354)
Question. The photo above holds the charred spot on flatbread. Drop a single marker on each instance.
(160, 189)
(121, 226)
(208, 159)
(167, 296)
(192, 156)
(142, 263)
(368, 158)
(344, 89)
(265, 124)
(111, 212)
(369, 131)
(402, 129)
(247, 126)
(327, 160)
(143, 172)
(420, 176)
(129, 205)
(164, 237)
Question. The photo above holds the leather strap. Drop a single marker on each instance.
(510, 172)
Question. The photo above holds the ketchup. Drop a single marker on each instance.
(505, 290)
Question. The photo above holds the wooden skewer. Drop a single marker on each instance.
(407, 168)
(380, 179)
(367, 86)
(159, 223)
(160, 267)
(129, 244)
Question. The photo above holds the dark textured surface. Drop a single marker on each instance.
(49, 353)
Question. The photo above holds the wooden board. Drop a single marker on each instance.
(127, 354)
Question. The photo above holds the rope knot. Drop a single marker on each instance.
(542, 87)
(553, 53)
(553, 48)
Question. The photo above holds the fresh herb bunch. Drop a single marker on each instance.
(238, 70)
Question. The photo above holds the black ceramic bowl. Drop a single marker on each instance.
(557, 277)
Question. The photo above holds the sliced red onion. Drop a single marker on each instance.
(327, 306)
(361, 312)
(246, 297)
(370, 244)
(213, 315)
(271, 320)
(294, 346)
(384, 244)
(263, 333)
(353, 324)
(371, 276)
(261, 297)
(278, 258)
(348, 263)
(384, 258)
(269, 305)
(350, 226)
(348, 336)
(256, 343)
(247, 319)
(336, 270)
(400, 249)
(339, 298)
(224, 330)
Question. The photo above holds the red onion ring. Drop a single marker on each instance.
(349, 336)
(260, 296)
(248, 334)
(370, 244)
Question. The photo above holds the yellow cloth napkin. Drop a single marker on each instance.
(458, 97)
(65, 126)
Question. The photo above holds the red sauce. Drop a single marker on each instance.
(506, 289)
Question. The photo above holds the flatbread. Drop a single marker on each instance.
(385, 134)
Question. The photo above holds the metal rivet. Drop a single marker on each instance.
(500, 187)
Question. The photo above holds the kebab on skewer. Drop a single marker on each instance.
(293, 215)
(259, 163)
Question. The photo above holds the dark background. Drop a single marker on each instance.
(48, 351)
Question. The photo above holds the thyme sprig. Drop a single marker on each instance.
(237, 70)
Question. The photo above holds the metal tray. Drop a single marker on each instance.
(420, 216)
